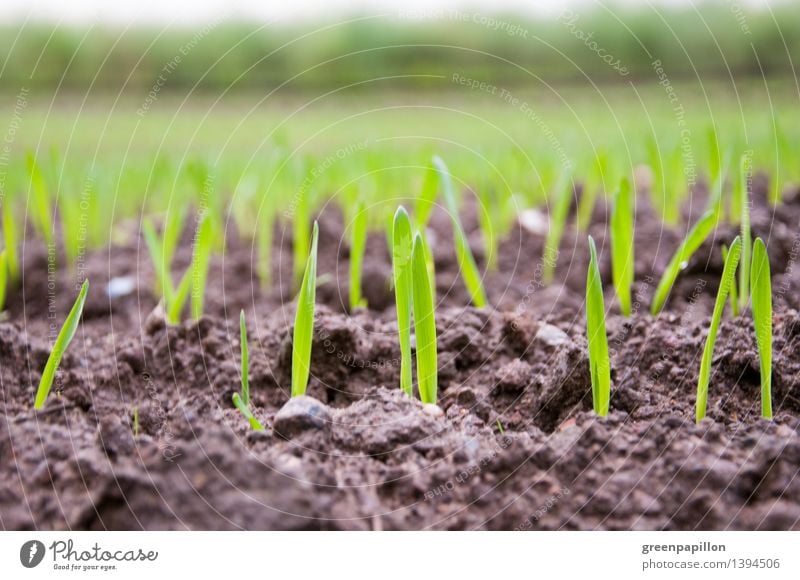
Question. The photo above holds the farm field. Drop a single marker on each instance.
(490, 411)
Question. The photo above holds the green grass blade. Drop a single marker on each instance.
(358, 243)
(173, 228)
(761, 289)
(304, 321)
(783, 159)
(427, 197)
(715, 161)
(255, 424)
(694, 239)
(401, 265)
(65, 336)
(163, 281)
(42, 213)
(3, 278)
(622, 256)
(744, 263)
(599, 364)
(264, 234)
(590, 190)
(469, 269)
(562, 192)
(487, 220)
(245, 359)
(424, 323)
(734, 295)
(178, 298)
(300, 237)
(466, 261)
(200, 263)
(728, 274)
(10, 237)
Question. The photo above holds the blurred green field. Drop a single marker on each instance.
(235, 133)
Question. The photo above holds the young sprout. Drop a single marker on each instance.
(728, 274)
(761, 290)
(163, 282)
(264, 234)
(304, 321)
(401, 265)
(200, 262)
(427, 197)
(694, 239)
(590, 190)
(358, 243)
(466, 261)
(622, 257)
(194, 279)
(10, 237)
(3, 278)
(245, 359)
(136, 421)
(784, 156)
(63, 339)
(424, 323)
(599, 365)
(242, 400)
(42, 213)
(558, 218)
(300, 237)
(734, 296)
(744, 264)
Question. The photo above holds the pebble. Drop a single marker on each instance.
(551, 335)
(533, 221)
(432, 410)
(120, 286)
(301, 414)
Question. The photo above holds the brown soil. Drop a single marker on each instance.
(382, 462)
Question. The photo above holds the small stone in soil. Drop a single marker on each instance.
(301, 414)
(551, 335)
(432, 410)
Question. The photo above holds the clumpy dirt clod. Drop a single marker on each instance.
(513, 445)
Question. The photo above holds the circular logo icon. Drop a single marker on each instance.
(31, 553)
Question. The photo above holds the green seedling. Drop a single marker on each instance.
(3, 278)
(562, 192)
(744, 264)
(590, 190)
(242, 400)
(136, 421)
(193, 282)
(734, 295)
(304, 321)
(728, 274)
(65, 336)
(264, 233)
(466, 261)
(401, 265)
(427, 197)
(358, 243)
(694, 239)
(10, 237)
(424, 323)
(622, 256)
(41, 210)
(200, 263)
(599, 364)
(245, 359)
(783, 161)
(761, 302)
(163, 282)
